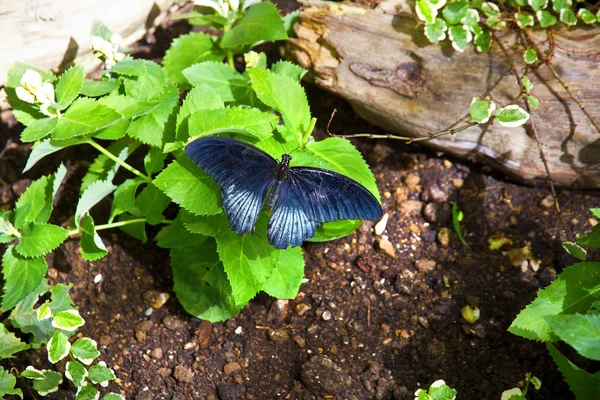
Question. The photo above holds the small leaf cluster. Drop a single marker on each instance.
(569, 310)
(437, 391)
(518, 394)
(466, 21)
(484, 110)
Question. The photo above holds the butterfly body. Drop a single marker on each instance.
(301, 198)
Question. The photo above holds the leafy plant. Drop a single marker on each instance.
(437, 391)
(567, 310)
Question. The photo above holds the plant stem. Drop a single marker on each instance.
(230, 59)
(118, 224)
(118, 160)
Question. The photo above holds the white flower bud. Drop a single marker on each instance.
(251, 58)
(31, 80)
(234, 4)
(24, 95)
(96, 43)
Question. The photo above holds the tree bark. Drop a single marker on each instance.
(382, 63)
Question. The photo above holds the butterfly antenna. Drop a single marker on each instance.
(329, 123)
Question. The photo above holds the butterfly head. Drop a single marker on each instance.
(285, 159)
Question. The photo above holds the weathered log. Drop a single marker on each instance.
(383, 64)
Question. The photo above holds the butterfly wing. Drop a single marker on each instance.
(311, 196)
(244, 172)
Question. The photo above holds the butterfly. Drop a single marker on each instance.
(301, 198)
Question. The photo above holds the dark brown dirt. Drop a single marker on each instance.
(366, 325)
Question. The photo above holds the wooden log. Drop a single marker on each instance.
(383, 64)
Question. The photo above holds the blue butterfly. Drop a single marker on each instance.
(302, 198)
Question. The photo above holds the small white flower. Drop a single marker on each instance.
(25, 94)
(96, 43)
(234, 5)
(108, 50)
(45, 94)
(251, 58)
(31, 80)
(218, 5)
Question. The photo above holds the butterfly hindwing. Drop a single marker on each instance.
(244, 172)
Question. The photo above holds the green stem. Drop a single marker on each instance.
(118, 160)
(118, 224)
(230, 59)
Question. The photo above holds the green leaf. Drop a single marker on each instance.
(574, 291)
(24, 316)
(101, 30)
(124, 198)
(260, 23)
(175, 235)
(481, 110)
(130, 66)
(101, 374)
(85, 350)
(201, 284)
(104, 168)
(92, 196)
(240, 120)
(154, 161)
(524, 19)
(533, 102)
(87, 392)
(490, 9)
(47, 147)
(560, 5)
(146, 86)
(151, 128)
(68, 320)
(285, 95)
(334, 230)
(7, 384)
(40, 239)
(152, 202)
(35, 205)
(44, 311)
(575, 250)
(568, 17)
(546, 18)
(436, 31)
(208, 225)
(9, 345)
(190, 187)
(68, 86)
(76, 373)
(592, 239)
(289, 69)
(201, 97)
(31, 373)
(482, 41)
(537, 4)
(95, 88)
(585, 386)
(530, 56)
(58, 347)
(49, 384)
(460, 36)
(426, 11)
(229, 84)
(471, 19)
(84, 116)
(38, 129)
(527, 86)
(135, 229)
(187, 50)
(285, 280)
(512, 116)
(455, 12)
(586, 16)
(457, 217)
(113, 396)
(580, 331)
(21, 276)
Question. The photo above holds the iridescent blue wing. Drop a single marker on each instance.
(244, 172)
(311, 196)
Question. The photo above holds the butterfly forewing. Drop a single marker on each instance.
(244, 172)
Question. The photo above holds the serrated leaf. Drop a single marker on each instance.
(146, 86)
(546, 19)
(260, 23)
(533, 102)
(7, 384)
(286, 277)
(229, 84)
(87, 392)
(44, 311)
(334, 230)
(151, 128)
(436, 31)
(592, 239)
(454, 12)
(585, 386)
(9, 345)
(124, 198)
(85, 350)
(575, 250)
(92, 196)
(130, 66)
(76, 373)
(460, 36)
(481, 110)
(572, 292)
(208, 225)
(152, 202)
(426, 11)
(582, 332)
(46, 147)
(154, 161)
(24, 316)
(201, 284)
(101, 374)
(58, 347)
(38, 129)
(22, 276)
(84, 116)
(471, 19)
(49, 384)
(175, 235)
(201, 97)
(104, 168)
(97, 88)
(68, 86)
(91, 246)
(68, 320)
(35, 205)
(187, 50)
(512, 116)
(240, 120)
(285, 95)
(40, 239)
(190, 187)
(113, 396)
(289, 69)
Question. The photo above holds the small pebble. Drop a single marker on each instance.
(425, 265)
(183, 374)
(172, 323)
(302, 308)
(239, 330)
(203, 333)
(278, 336)
(98, 278)
(326, 315)
(447, 163)
(411, 207)
(231, 367)
(547, 202)
(385, 246)
(412, 183)
(156, 353)
(381, 225)
(458, 183)
(443, 237)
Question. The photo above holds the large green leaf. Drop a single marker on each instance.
(187, 50)
(245, 121)
(584, 385)
(84, 116)
(38, 239)
(201, 97)
(22, 276)
(68, 86)
(229, 84)
(152, 128)
(261, 23)
(580, 331)
(7, 384)
(286, 277)
(9, 345)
